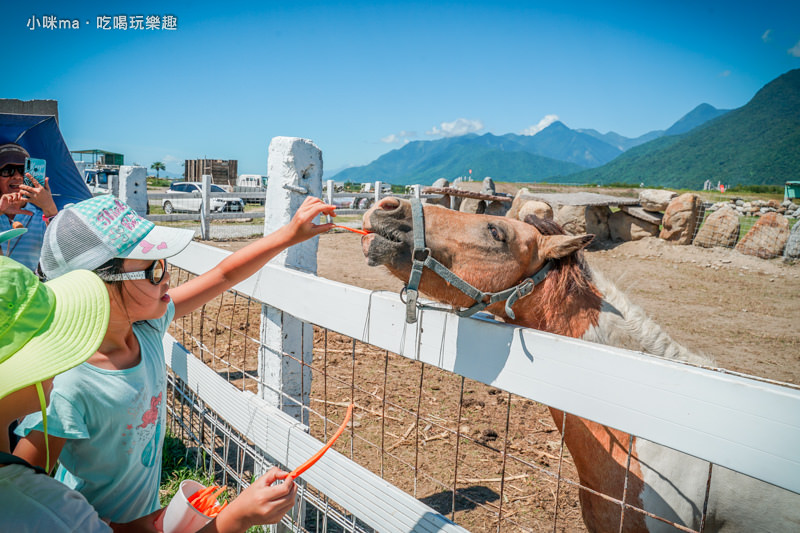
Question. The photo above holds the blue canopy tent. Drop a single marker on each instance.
(40, 136)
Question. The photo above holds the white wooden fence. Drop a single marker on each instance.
(699, 411)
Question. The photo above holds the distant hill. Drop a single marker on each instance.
(552, 154)
(756, 144)
(697, 116)
(486, 155)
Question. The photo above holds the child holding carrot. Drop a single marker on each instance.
(115, 401)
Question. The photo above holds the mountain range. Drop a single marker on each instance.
(758, 143)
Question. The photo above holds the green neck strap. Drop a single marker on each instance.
(43, 405)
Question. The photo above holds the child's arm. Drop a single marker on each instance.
(260, 503)
(244, 263)
(31, 448)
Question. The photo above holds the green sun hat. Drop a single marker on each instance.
(47, 328)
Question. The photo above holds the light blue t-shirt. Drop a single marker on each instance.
(114, 422)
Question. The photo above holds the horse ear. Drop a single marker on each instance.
(558, 246)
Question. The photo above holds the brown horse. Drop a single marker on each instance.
(495, 253)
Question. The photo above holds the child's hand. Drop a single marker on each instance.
(11, 204)
(302, 226)
(260, 503)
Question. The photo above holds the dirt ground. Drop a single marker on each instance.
(412, 421)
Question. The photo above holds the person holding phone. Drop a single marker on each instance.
(28, 206)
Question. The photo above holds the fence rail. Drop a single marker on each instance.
(696, 410)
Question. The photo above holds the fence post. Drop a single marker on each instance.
(295, 172)
(205, 207)
(329, 195)
(378, 186)
(416, 189)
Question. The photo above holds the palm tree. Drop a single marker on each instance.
(158, 165)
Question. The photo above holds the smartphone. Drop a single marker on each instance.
(36, 168)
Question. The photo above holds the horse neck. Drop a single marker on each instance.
(624, 324)
(565, 302)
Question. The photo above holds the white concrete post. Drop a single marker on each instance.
(295, 172)
(205, 208)
(378, 186)
(131, 187)
(329, 195)
(416, 189)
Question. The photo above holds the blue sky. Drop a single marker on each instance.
(362, 78)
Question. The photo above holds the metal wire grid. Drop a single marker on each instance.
(488, 459)
(234, 461)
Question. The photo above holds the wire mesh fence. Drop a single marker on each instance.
(487, 459)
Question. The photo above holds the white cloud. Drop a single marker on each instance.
(170, 159)
(794, 50)
(766, 37)
(404, 137)
(546, 121)
(460, 126)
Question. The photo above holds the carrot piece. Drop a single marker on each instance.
(316, 457)
(200, 493)
(361, 231)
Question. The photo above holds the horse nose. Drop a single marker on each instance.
(388, 204)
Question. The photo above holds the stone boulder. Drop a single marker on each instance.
(680, 219)
(472, 205)
(442, 199)
(535, 207)
(580, 219)
(572, 218)
(767, 238)
(597, 222)
(624, 227)
(655, 199)
(497, 208)
(721, 228)
(488, 186)
(792, 250)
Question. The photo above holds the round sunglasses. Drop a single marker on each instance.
(9, 170)
(154, 273)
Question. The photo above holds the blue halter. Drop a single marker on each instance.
(421, 258)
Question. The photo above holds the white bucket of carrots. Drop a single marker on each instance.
(192, 507)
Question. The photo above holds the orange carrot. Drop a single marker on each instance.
(316, 457)
(200, 493)
(361, 231)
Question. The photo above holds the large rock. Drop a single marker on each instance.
(792, 250)
(472, 205)
(488, 186)
(580, 219)
(655, 199)
(535, 207)
(623, 227)
(721, 228)
(440, 199)
(521, 198)
(767, 238)
(680, 219)
(497, 208)
(597, 222)
(572, 218)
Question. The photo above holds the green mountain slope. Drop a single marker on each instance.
(757, 144)
(424, 162)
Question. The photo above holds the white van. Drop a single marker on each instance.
(251, 180)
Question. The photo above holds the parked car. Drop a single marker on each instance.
(193, 203)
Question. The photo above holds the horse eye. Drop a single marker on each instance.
(497, 234)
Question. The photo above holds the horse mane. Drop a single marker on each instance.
(621, 323)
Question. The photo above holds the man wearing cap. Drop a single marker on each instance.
(23, 206)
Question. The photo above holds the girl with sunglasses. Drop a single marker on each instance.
(106, 419)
